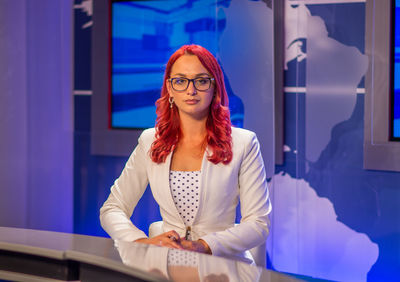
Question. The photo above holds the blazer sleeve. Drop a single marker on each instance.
(254, 204)
(125, 193)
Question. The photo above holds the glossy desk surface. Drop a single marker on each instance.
(146, 262)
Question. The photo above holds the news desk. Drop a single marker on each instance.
(33, 255)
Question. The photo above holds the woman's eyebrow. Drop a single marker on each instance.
(202, 74)
(179, 74)
(197, 75)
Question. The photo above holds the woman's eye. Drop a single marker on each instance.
(180, 81)
(202, 81)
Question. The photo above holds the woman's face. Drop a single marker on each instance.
(191, 101)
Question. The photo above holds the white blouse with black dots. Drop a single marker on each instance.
(186, 193)
(179, 258)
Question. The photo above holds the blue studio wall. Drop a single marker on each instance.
(331, 218)
(396, 70)
(36, 145)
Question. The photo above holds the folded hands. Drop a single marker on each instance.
(171, 239)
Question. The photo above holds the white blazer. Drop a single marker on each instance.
(221, 187)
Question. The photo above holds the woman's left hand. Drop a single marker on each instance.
(199, 246)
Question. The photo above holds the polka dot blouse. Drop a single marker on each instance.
(186, 193)
(180, 258)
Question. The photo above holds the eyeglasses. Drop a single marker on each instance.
(200, 83)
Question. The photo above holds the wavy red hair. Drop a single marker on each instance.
(218, 124)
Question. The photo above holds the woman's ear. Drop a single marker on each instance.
(169, 88)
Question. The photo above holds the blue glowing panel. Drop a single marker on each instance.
(144, 35)
(396, 75)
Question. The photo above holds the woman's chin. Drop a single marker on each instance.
(194, 113)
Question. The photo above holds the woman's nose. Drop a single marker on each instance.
(191, 90)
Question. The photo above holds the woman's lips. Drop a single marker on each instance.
(191, 101)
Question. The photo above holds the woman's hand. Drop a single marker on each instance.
(199, 246)
(170, 239)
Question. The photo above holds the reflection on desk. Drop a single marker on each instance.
(34, 255)
(179, 265)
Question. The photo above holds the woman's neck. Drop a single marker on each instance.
(193, 130)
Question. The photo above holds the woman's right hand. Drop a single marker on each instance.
(170, 239)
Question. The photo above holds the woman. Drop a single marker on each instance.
(197, 165)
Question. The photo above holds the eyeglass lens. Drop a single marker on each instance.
(181, 84)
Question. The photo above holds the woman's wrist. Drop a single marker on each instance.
(207, 249)
(141, 240)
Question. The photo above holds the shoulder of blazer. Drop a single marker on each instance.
(148, 133)
(242, 137)
(147, 138)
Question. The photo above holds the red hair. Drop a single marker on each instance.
(218, 123)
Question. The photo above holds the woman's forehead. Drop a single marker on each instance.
(188, 65)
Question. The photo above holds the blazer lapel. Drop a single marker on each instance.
(162, 188)
(205, 165)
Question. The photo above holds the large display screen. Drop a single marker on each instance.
(143, 36)
(395, 128)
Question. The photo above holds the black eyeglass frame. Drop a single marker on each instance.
(191, 80)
